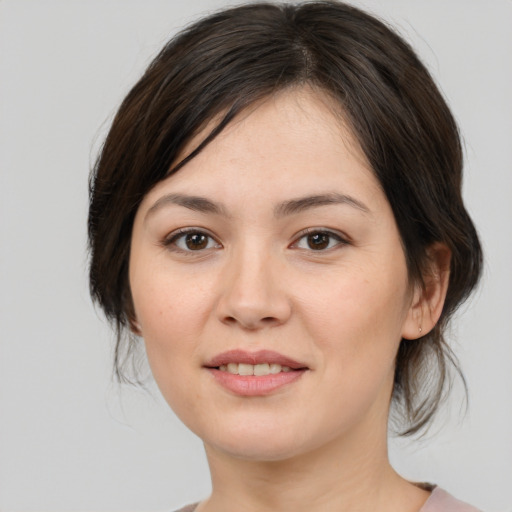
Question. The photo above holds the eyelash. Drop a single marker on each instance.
(171, 242)
(340, 240)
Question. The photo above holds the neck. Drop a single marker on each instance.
(344, 474)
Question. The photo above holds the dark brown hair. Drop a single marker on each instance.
(230, 60)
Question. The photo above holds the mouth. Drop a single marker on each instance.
(254, 373)
(234, 360)
(254, 369)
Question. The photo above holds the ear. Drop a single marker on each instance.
(429, 296)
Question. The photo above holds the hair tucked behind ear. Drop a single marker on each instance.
(228, 61)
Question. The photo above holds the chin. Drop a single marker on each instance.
(259, 441)
(261, 450)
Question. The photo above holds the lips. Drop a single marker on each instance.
(254, 373)
(254, 358)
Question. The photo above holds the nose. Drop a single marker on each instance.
(254, 293)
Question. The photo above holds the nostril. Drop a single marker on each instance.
(251, 323)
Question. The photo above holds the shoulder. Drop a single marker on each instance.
(188, 508)
(441, 501)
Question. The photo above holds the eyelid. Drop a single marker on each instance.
(339, 236)
(169, 240)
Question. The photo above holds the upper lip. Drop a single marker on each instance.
(259, 357)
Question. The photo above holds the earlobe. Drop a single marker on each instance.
(428, 297)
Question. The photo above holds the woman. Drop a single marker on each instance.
(277, 213)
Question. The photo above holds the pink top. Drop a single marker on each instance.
(439, 501)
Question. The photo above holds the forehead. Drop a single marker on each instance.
(292, 108)
(290, 143)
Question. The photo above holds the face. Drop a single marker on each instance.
(270, 285)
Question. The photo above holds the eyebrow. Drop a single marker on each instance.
(195, 203)
(284, 209)
(294, 206)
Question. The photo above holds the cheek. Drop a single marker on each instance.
(172, 308)
(163, 326)
(358, 323)
(163, 312)
(364, 303)
(167, 314)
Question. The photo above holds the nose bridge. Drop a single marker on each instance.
(252, 295)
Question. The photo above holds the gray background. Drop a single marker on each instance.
(70, 440)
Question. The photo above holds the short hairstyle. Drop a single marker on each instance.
(222, 64)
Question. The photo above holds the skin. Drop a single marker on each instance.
(342, 310)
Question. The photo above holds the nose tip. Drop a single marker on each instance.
(253, 297)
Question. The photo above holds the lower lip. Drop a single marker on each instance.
(252, 385)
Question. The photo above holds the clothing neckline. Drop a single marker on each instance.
(437, 497)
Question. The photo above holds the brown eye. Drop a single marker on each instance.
(196, 241)
(319, 241)
(191, 241)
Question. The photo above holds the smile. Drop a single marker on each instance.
(254, 369)
(254, 373)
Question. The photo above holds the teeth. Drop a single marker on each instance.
(261, 369)
(254, 369)
(275, 368)
(245, 369)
